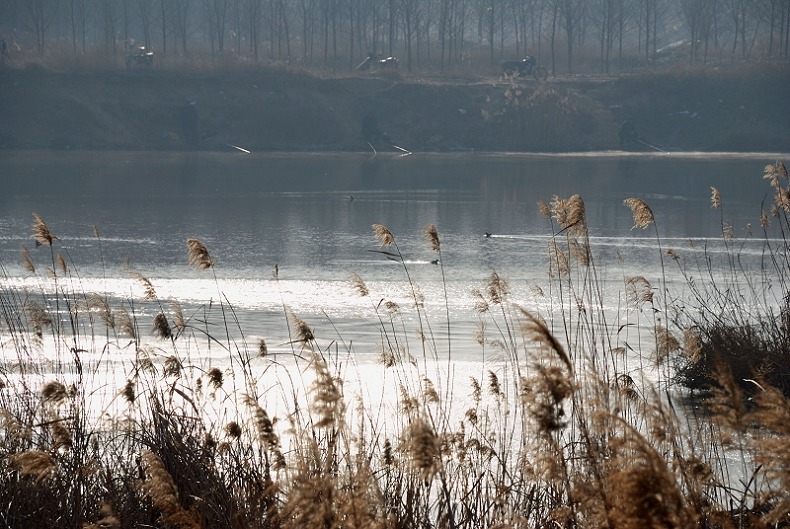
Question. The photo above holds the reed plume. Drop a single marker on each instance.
(41, 232)
(643, 215)
(432, 236)
(102, 307)
(383, 235)
(34, 464)
(263, 424)
(149, 292)
(638, 291)
(304, 334)
(534, 328)
(160, 488)
(198, 254)
(27, 261)
(107, 521)
(424, 448)
(359, 286)
(497, 289)
(215, 377)
(179, 322)
(715, 198)
(37, 316)
(570, 214)
(162, 326)
(126, 324)
(326, 397)
(54, 392)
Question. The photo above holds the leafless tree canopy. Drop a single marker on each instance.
(567, 36)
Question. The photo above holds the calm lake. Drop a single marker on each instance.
(310, 216)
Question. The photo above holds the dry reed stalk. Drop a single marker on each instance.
(41, 232)
(558, 260)
(581, 252)
(310, 503)
(198, 254)
(692, 345)
(643, 215)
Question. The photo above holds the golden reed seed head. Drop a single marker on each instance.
(41, 232)
(162, 326)
(198, 254)
(35, 464)
(359, 285)
(643, 215)
(304, 333)
(54, 392)
(383, 235)
(62, 263)
(715, 198)
(27, 261)
(570, 214)
(233, 430)
(215, 377)
(149, 292)
(432, 235)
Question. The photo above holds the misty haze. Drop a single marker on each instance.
(394, 264)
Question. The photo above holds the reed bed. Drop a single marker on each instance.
(102, 428)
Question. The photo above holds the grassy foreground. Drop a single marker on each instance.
(556, 434)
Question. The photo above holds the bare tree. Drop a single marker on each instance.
(182, 11)
(40, 14)
(698, 17)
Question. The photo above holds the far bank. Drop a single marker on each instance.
(282, 110)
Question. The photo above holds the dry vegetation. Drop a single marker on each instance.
(556, 433)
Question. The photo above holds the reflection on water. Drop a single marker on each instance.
(311, 215)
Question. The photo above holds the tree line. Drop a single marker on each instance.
(423, 34)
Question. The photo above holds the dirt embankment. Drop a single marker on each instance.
(281, 110)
